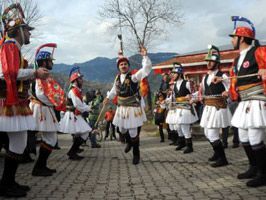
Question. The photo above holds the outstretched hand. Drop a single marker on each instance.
(217, 79)
(143, 51)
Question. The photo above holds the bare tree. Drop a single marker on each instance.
(145, 20)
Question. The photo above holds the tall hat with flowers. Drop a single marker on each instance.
(13, 17)
(213, 54)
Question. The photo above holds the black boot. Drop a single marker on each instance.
(40, 167)
(8, 186)
(128, 142)
(175, 137)
(219, 149)
(189, 146)
(181, 143)
(225, 133)
(136, 152)
(161, 133)
(260, 155)
(215, 155)
(72, 153)
(252, 170)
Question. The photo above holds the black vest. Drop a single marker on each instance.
(183, 91)
(213, 89)
(252, 68)
(127, 88)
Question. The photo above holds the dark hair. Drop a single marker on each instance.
(247, 40)
(13, 32)
(40, 62)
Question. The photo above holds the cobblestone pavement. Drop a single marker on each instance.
(163, 173)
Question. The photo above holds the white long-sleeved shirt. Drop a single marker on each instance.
(78, 104)
(137, 77)
(242, 56)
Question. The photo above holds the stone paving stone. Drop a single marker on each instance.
(163, 173)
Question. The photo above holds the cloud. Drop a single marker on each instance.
(74, 25)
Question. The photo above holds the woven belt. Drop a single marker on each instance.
(253, 93)
(218, 102)
(128, 101)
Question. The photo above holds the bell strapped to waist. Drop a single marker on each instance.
(128, 101)
(218, 102)
(252, 92)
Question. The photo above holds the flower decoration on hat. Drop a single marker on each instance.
(213, 54)
(75, 74)
(243, 31)
(13, 17)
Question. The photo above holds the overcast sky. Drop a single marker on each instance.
(75, 26)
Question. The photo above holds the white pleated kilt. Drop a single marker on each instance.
(16, 123)
(129, 117)
(213, 118)
(73, 124)
(44, 118)
(184, 116)
(250, 114)
(171, 117)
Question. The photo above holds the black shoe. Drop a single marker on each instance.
(180, 146)
(26, 159)
(188, 150)
(135, 160)
(220, 163)
(57, 147)
(259, 180)
(161, 140)
(22, 187)
(51, 170)
(41, 172)
(250, 173)
(128, 148)
(213, 158)
(79, 150)
(75, 157)
(12, 191)
(173, 143)
(235, 145)
(96, 146)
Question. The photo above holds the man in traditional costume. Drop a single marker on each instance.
(15, 114)
(73, 122)
(45, 95)
(130, 115)
(185, 114)
(250, 115)
(216, 114)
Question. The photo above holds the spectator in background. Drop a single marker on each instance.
(109, 116)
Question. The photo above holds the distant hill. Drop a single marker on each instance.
(103, 69)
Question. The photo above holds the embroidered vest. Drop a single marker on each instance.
(127, 88)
